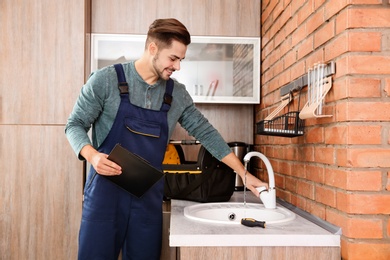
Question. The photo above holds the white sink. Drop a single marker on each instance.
(232, 213)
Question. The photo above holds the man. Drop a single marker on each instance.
(142, 120)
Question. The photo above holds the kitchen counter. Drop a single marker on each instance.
(301, 232)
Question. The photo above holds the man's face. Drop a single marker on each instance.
(167, 60)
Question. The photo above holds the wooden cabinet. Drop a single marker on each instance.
(259, 253)
(41, 72)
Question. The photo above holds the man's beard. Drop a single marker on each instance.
(156, 68)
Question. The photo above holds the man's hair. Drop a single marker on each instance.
(163, 31)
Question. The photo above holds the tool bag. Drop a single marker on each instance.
(206, 180)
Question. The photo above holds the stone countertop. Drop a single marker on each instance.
(185, 232)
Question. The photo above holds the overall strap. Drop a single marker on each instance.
(122, 84)
(166, 105)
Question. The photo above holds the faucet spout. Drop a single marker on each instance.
(267, 197)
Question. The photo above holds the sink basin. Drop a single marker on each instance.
(233, 212)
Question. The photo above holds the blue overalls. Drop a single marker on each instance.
(113, 219)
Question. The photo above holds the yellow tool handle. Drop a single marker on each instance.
(250, 222)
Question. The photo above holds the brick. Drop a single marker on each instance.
(385, 41)
(284, 78)
(279, 181)
(336, 134)
(315, 57)
(349, 41)
(336, 177)
(285, 47)
(306, 154)
(341, 20)
(277, 68)
(279, 37)
(290, 58)
(305, 189)
(299, 201)
(332, 7)
(366, 157)
(318, 3)
(299, 170)
(315, 173)
(276, 13)
(364, 180)
(285, 167)
(387, 88)
(354, 180)
(356, 227)
(299, 34)
(363, 64)
(315, 21)
(324, 155)
(324, 34)
(336, 47)
(265, 37)
(363, 111)
(388, 181)
(290, 26)
(267, 49)
(325, 195)
(290, 153)
(364, 228)
(356, 88)
(305, 47)
(267, 11)
(369, 18)
(362, 18)
(296, 5)
(298, 69)
(353, 134)
(364, 134)
(316, 209)
(359, 203)
(304, 12)
(291, 185)
(367, 2)
(315, 135)
(388, 227)
(364, 41)
(283, 194)
(363, 251)
(274, 29)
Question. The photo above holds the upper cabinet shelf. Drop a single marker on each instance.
(215, 69)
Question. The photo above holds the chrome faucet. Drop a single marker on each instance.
(268, 197)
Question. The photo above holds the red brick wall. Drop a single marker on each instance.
(339, 170)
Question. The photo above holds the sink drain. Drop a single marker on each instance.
(232, 216)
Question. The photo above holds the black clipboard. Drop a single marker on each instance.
(137, 176)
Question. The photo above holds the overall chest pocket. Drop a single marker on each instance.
(143, 127)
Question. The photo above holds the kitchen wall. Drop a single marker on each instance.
(339, 170)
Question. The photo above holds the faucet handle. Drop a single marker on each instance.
(261, 189)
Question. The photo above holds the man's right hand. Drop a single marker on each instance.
(99, 161)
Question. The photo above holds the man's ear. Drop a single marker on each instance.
(153, 49)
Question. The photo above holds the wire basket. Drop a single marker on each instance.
(287, 125)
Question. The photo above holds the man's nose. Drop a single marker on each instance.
(176, 65)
